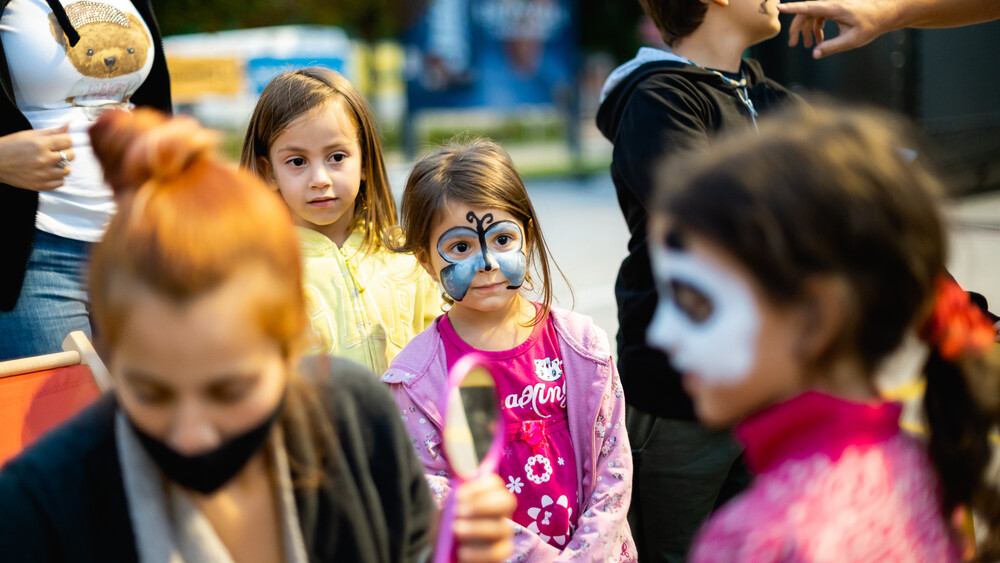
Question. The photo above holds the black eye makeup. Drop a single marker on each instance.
(693, 303)
(674, 240)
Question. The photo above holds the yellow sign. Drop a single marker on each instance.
(191, 79)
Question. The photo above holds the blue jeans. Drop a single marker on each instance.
(53, 300)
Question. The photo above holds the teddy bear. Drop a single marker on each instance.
(112, 43)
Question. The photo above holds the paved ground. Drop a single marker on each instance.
(586, 233)
(975, 245)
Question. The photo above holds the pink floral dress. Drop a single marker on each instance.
(836, 481)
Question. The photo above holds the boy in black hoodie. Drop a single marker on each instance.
(660, 103)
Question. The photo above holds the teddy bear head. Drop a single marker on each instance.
(112, 43)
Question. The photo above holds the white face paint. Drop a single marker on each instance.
(706, 320)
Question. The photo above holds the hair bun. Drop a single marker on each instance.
(135, 147)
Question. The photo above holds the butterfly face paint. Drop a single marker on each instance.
(706, 320)
(490, 245)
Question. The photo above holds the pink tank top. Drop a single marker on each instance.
(537, 461)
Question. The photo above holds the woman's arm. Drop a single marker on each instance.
(861, 21)
(30, 159)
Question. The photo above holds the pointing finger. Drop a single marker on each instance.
(811, 9)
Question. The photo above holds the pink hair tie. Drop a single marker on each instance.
(956, 326)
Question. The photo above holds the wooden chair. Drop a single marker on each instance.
(40, 392)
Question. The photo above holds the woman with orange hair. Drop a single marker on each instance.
(212, 447)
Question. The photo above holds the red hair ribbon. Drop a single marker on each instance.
(956, 326)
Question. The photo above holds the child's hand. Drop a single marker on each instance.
(482, 521)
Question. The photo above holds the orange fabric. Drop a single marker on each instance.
(33, 403)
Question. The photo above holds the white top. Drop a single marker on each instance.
(55, 84)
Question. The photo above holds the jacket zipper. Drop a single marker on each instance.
(593, 439)
(358, 304)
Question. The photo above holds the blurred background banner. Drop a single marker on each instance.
(195, 77)
(500, 54)
(262, 70)
(219, 76)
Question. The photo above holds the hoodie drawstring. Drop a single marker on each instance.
(60, 13)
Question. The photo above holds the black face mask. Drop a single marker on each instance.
(208, 471)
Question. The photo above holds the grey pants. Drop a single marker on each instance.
(683, 472)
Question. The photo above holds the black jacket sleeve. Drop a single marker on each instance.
(397, 472)
(26, 533)
(385, 505)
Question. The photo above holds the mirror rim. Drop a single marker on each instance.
(462, 368)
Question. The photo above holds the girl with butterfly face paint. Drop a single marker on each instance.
(467, 217)
(789, 265)
(500, 246)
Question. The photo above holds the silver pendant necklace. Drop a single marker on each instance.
(740, 86)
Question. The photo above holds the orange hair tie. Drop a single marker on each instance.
(956, 326)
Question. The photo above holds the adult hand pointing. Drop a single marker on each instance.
(861, 21)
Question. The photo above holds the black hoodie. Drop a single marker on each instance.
(656, 106)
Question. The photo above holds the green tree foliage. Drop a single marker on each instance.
(367, 19)
(604, 25)
(609, 26)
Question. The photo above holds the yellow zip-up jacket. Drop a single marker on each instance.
(364, 308)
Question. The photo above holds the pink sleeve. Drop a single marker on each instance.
(752, 527)
(602, 532)
(426, 439)
(712, 544)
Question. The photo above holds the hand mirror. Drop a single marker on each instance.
(472, 436)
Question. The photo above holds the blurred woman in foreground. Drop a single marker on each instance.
(212, 447)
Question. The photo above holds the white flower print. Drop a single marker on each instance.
(561, 461)
(536, 461)
(515, 484)
(552, 517)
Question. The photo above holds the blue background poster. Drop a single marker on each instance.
(262, 70)
(499, 54)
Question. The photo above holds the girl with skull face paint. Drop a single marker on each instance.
(468, 219)
(211, 446)
(789, 266)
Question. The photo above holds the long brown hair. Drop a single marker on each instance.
(828, 191)
(478, 173)
(299, 92)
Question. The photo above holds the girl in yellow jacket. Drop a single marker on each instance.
(312, 137)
